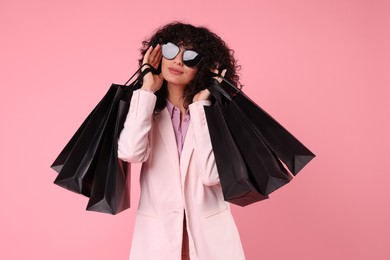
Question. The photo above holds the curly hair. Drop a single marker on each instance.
(215, 53)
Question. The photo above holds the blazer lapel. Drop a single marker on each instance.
(186, 153)
(164, 125)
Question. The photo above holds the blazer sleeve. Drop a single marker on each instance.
(202, 144)
(133, 142)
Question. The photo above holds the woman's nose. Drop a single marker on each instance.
(179, 58)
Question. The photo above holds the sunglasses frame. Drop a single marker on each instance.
(188, 62)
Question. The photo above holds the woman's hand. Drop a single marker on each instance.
(205, 94)
(152, 82)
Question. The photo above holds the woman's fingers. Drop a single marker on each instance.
(146, 57)
(158, 53)
(222, 74)
(153, 56)
(202, 95)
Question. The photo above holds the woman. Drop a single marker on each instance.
(181, 212)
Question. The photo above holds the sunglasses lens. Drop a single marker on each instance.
(191, 58)
(170, 50)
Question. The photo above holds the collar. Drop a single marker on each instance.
(174, 109)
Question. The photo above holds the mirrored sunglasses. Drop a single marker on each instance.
(190, 58)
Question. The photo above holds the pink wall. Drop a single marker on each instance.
(320, 67)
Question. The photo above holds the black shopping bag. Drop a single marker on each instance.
(78, 162)
(288, 148)
(111, 185)
(285, 145)
(237, 181)
(267, 171)
(260, 157)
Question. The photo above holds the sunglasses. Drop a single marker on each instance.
(190, 58)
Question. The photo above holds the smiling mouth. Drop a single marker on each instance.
(175, 71)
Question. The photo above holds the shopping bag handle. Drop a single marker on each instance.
(142, 74)
(213, 74)
(216, 90)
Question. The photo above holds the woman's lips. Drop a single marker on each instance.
(175, 71)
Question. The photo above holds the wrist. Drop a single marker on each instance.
(147, 88)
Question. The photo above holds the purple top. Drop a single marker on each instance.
(179, 126)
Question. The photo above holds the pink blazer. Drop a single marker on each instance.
(170, 186)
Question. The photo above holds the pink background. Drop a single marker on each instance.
(319, 67)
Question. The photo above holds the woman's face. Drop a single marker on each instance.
(175, 72)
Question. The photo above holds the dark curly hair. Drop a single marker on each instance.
(213, 49)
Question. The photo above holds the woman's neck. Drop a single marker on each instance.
(175, 95)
